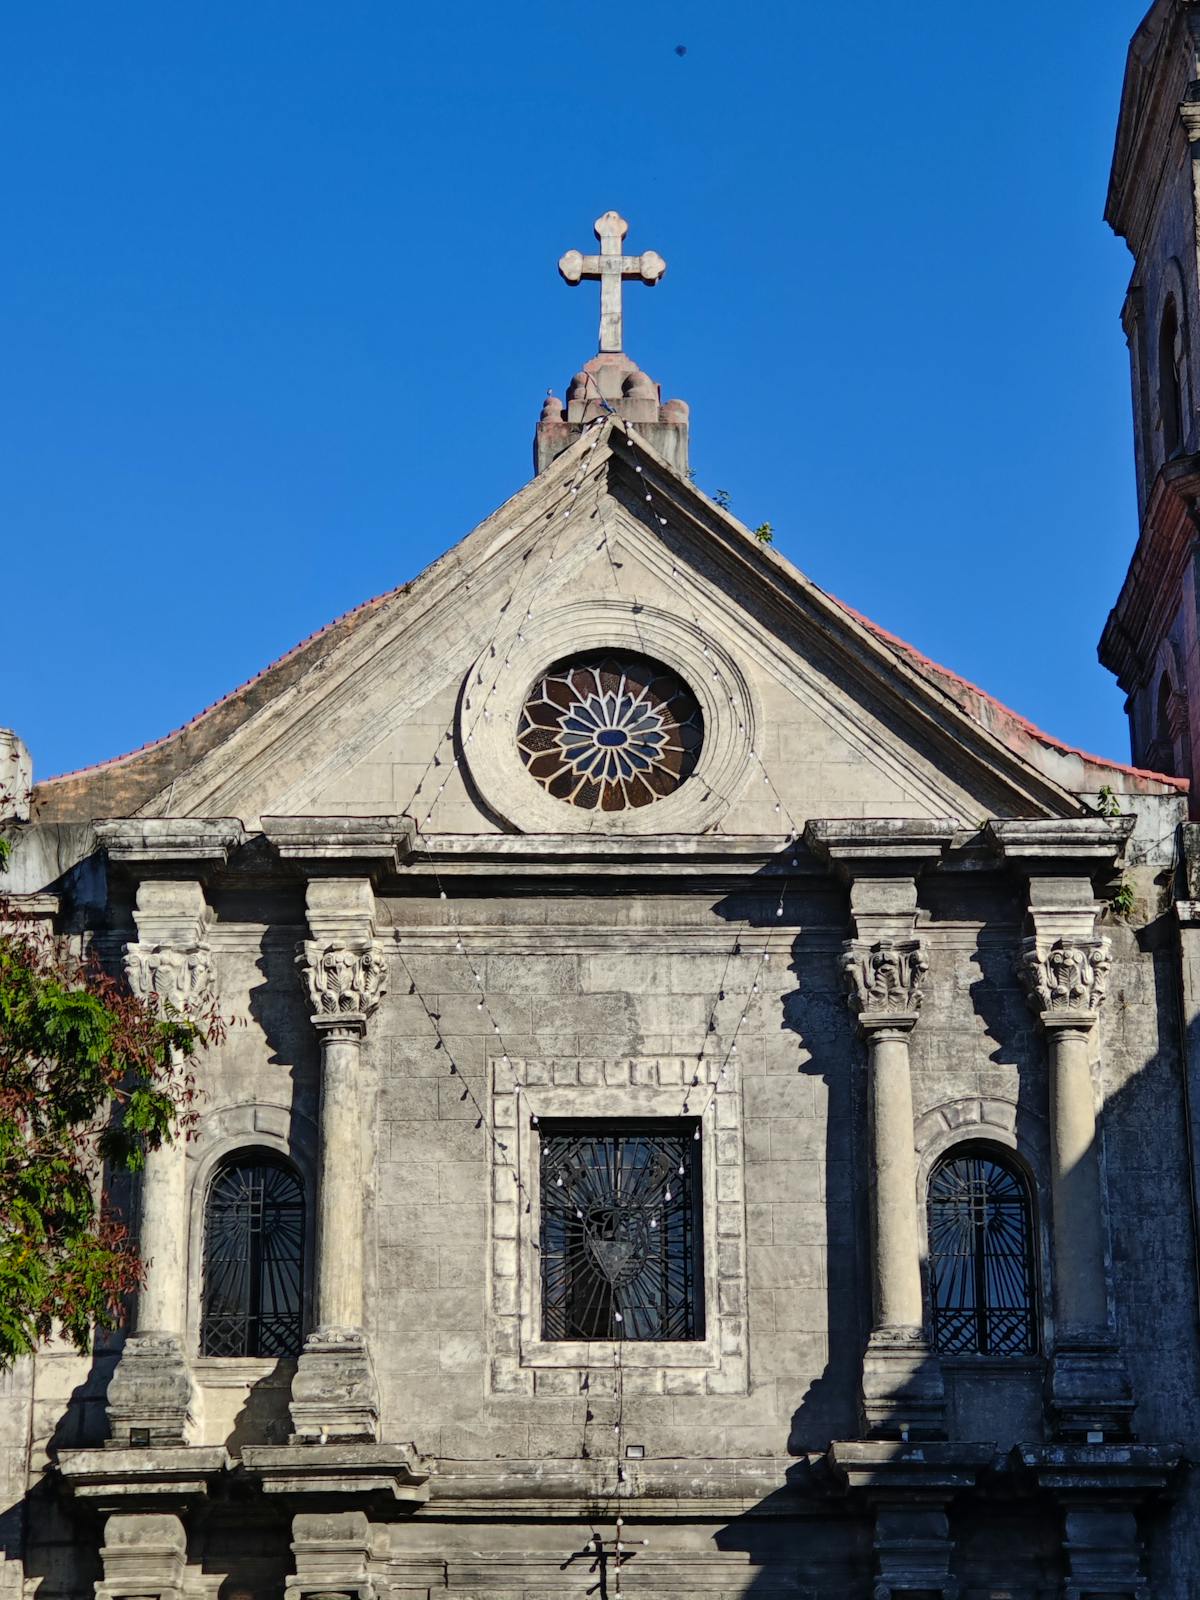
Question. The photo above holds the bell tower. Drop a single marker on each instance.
(1151, 640)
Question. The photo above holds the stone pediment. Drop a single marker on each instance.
(409, 704)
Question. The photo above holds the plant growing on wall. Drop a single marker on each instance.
(91, 1079)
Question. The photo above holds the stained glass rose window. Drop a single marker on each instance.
(610, 731)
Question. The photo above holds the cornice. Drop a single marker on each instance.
(783, 592)
(881, 846)
(1149, 596)
(1156, 78)
(324, 846)
(169, 846)
(1085, 842)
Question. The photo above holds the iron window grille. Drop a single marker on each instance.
(621, 1234)
(981, 1266)
(253, 1261)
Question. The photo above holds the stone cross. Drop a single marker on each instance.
(611, 266)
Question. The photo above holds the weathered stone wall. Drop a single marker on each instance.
(582, 980)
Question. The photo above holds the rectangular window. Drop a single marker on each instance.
(621, 1237)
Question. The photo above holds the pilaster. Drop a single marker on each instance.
(147, 1498)
(909, 1488)
(144, 1556)
(1099, 1491)
(331, 1550)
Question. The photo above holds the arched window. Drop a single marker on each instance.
(1171, 379)
(253, 1259)
(981, 1268)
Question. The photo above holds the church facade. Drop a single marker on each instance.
(711, 1100)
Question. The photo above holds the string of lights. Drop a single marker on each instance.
(702, 1081)
(435, 761)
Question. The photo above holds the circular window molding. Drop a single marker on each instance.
(494, 761)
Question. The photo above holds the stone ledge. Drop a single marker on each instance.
(390, 1471)
(146, 841)
(1095, 840)
(1125, 1471)
(934, 1467)
(376, 842)
(178, 1472)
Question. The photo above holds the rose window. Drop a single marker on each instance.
(610, 731)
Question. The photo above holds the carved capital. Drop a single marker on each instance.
(342, 983)
(1066, 980)
(883, 979)
(175, 980)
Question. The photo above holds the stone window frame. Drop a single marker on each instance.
(224, 1135)
(586, 1090)
(488, 721)
(1021, 1138)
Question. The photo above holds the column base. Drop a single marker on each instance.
(152, 1396)
(334, 1393)
(902, 1392)
(1089, 1397)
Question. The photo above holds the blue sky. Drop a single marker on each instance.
(280, 305)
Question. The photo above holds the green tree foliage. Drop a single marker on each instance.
(91, 1078)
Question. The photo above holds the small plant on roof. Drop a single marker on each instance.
(765, 533)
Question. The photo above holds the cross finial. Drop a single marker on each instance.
(611, 266)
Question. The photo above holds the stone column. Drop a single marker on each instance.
(1064, 970)
(334, 1395)
(902, 1393)
(152, 1398)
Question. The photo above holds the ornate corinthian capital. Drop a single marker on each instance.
(342, 982)
(176, 980)
(1067, 978)
(883, 979)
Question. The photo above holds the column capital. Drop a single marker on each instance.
(884, 979)
(1065, 980)
(175, 980)
(344, 983)
(170, 964)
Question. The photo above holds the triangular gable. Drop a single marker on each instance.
(361, 719)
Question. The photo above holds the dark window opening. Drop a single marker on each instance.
(981, 1267)
(1171, 380)
(621, 1237)
(253, 1260)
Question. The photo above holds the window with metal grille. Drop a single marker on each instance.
(253, 1260)
(621, 1238)
(981, 1266)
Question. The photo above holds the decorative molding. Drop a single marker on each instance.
(712, 675)
(145, 841)
(521, 1361)
(375, 842)
(343, 984)
(1068, 979)
(176, 980)
(883, 978)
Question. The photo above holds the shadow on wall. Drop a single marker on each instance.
(805, 1172)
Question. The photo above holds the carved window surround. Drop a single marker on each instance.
(522, 1362)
